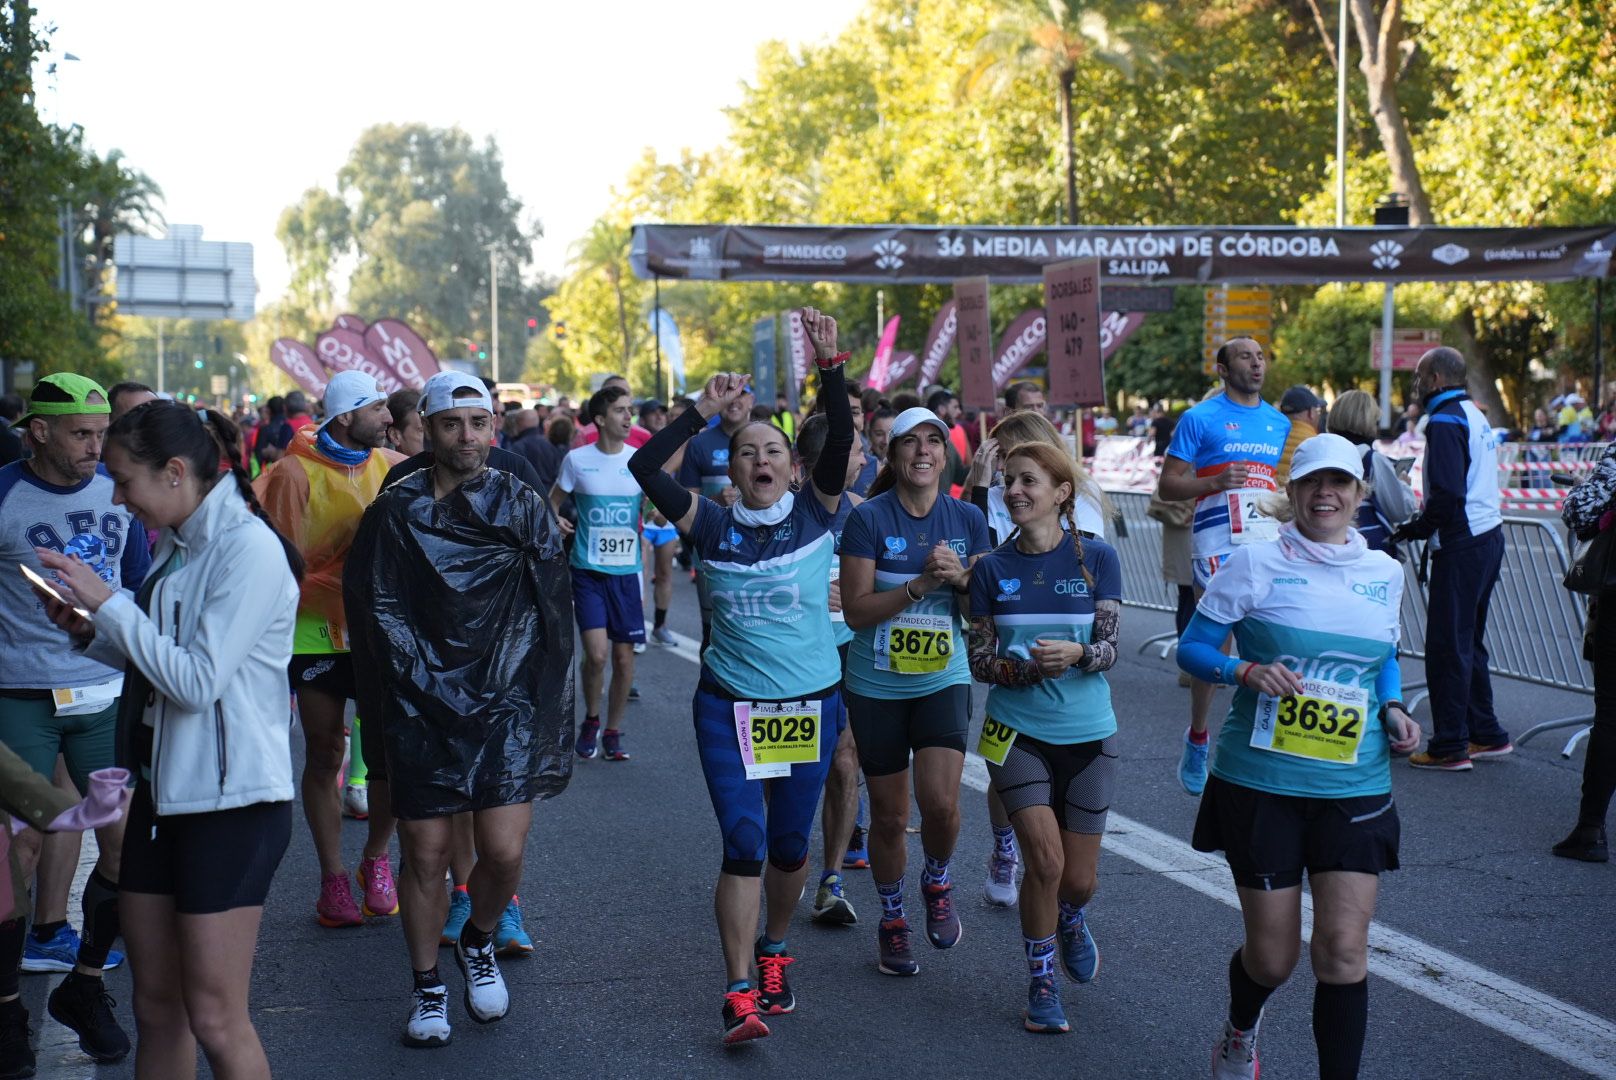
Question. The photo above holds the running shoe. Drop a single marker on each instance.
(82, 1005)
(428, 1024)
(774, 994)
(376, 881)
(1192, 765)
(1079, 955)
(943, 928)
(588, 742)
(741, 1019)
(336, 905)
(1001, 888)
(16, 1054)
(830, 905)
(1445, 763)
(356, 801)
(639, 647)
(1478, 752)
(858, 850)
(487, 999)
(611, 745)
(663, 636)
(459, 912)
(1234, 1056)
(1586, 843)
(510, 937)
(1044, 1013)
(896, 957)
(60, 953)
(634, 691)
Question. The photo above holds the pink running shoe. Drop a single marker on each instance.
(336, 906)
(376, 879)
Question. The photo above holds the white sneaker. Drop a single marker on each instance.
(639, 647)
(428, 1024)
(1234, 1056)
(356, 801)
(487, 999)
(1001, 888)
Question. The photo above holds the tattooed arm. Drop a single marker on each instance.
(1101, 651)
(988, 667)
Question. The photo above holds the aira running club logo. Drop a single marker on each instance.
(1008, 588)
(896, 546)
(1376, 592)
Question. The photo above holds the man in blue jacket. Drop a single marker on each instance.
(1461, 518)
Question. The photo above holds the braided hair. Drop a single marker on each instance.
(1058, 465)
(209, 442)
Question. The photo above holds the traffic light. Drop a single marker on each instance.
(532, 327)
(559, 329)
(482, 354)
(197, 363)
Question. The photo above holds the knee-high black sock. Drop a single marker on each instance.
(100, 920)
(1340, 1017)
(11, 935)
(1246, 995)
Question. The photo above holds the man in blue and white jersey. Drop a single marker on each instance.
(605, 565)
(1465, 526)
(1224, 455)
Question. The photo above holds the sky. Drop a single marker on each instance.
(236, 110)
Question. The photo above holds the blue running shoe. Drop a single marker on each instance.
(1079, 955)
(588, 742)
(60, 953)
(459, 912)
(510, 939)
(1192, 765)
(1044, 1013)
(857, 856)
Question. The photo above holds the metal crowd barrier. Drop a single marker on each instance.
(1534, 626)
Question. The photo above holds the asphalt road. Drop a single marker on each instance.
(1510, 950)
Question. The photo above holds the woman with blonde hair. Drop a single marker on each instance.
(1355, 416)
(1091, 509)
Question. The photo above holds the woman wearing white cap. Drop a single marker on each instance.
(1301, 779)
(906, 556)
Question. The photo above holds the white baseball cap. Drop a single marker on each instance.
(910, 419)
(439, 393)
(1326, 452)
(347, 391)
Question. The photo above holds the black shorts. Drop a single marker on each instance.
(208, 862)
(887, 730)
(329, 673)
(1074, 780)
(1269, 839)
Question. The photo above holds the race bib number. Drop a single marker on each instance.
(1325, 722)
(1249, 523)
(835, 576)
(613, 546)
(914, 644)
(339, 635)
(82, 700)
(773, 737)
(994, 745)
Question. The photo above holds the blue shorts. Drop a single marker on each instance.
(611, 601)
(756, 825)
(658, 535)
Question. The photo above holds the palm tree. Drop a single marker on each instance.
(605, 248)
(1054, 36)
(111, 198)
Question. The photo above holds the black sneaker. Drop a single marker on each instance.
(16, 1056)
(774, 992)
(892, 937)
(82, 1005)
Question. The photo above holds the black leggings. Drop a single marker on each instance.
(1599, 767)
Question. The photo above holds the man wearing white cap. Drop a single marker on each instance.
(467, 677)
(315, 496)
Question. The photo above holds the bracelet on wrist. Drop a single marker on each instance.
(1242, 671)
(838, 360)
(907, 591)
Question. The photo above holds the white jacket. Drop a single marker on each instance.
(215, 649)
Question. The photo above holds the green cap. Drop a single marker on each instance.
(65, 394)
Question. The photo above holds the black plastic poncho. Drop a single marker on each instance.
(460, 612)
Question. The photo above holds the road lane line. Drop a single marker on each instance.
(1561, 1030)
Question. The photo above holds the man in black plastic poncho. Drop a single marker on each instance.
(461, 619)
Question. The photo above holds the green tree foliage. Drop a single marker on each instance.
(416, 211)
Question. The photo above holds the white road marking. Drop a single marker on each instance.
(1561, 1030)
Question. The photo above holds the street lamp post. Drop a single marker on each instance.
(493, 305)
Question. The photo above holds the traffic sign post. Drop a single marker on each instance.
(1408, 345)
(1238, 311)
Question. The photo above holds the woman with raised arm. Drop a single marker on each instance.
(767, 709)
(204, 645)
(1044, 612)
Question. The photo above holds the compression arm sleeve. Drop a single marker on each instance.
(672, 501)
(830, 471)
(1200, 651)
(1389, 683)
